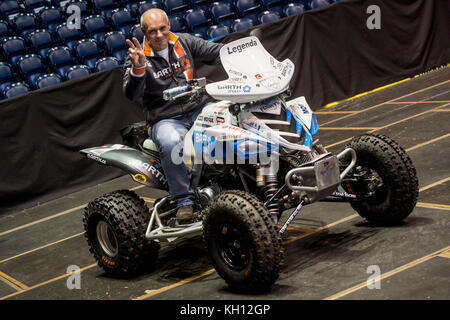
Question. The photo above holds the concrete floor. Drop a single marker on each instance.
(330, 252)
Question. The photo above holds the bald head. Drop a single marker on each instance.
(153, 15)
(156, 26)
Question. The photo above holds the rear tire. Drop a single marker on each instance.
(115, 226)
(392, 194)
(243, 243)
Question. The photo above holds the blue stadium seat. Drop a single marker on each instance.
(217, 31)
(7, 75)
(84, 9)
(177, 24)
(176, 7)
(5, 32)
(33, 6)
(77, 71)
(242, 24)
(68, 36)
(200, 4)
(30, 67)
(95, 26)
(129, 4)
(25, 23)
(136, 32)
(316, 4)
(249, 9)
(16, 89)
(60, 3)
(198, 21)
(273, 5)
(51, 18)
(122, 20)
(13, 48)
(9, 9)
(268, 16)
(104, 7)
(60, 59)
(293, 8)
(106, 63)
(41, 40)
(88, 52)
(147, 5)
(116, 46)
(47, 80)
(223, 13)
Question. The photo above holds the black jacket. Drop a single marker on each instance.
(159, 75)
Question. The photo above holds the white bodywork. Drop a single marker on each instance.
(253, 73)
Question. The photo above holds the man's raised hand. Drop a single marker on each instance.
(137, 55)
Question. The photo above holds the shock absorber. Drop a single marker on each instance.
(269, 190)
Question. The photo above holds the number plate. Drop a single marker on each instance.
(327, 172)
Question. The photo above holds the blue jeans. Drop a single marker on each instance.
(168, 134)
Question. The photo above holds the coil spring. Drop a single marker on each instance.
(270, 189)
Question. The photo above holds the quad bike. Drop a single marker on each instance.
(250, 157)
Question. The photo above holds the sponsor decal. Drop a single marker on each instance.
(242, 47)
(96, 158)
(220, 120)
(303, 108)
(247, 88)
(236, 73)
(258, 76)
(138, 164)
(140, 178)
(108, 262)
(237, 80)
(230, 88)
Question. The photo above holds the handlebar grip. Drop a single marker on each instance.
(170, 93)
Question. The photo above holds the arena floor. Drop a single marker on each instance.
(330, 252)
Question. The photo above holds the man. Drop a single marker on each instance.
(166, 60)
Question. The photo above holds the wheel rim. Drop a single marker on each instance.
(233, 248)
(107, 239)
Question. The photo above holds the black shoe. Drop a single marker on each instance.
(185, 214)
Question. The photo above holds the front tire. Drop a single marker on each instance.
(242, 241)
(387, 183)
(115, 226)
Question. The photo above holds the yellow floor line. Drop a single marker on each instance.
(434, 184)
(349, 128)
(42, 247)
(445, 254)
(56, 216)
(433, 206)
(157, 291)
(383, 127)
(48, 281)
(388, 274)
(428, 142)
(43, 220)
(17, 285)
(383, 103)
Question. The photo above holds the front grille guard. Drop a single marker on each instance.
(326, 179)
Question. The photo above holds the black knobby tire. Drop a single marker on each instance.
(115, 226)
(397, 197)
(237, 218)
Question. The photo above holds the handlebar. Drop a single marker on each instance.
(173, 92)
(194, 88)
